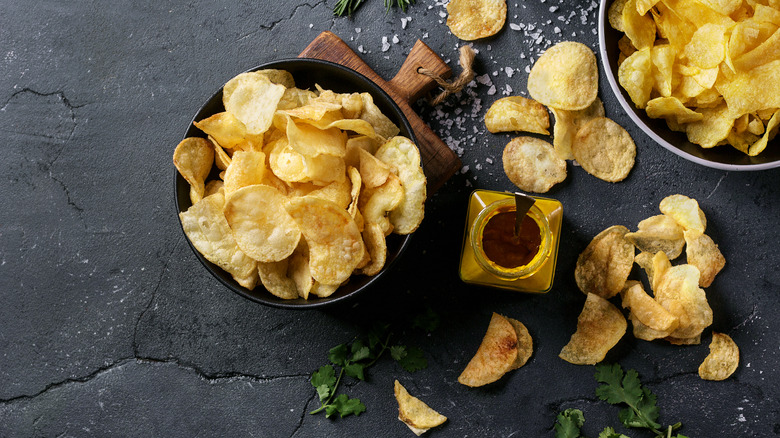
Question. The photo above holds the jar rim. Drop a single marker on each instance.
(493, 268)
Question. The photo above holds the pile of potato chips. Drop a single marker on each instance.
(565, 80)
(309, 185)
(507, 345)
(474, 19)
(677, 311)
(711, 69)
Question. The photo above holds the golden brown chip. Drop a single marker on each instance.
(374, 203)
(659, 233)
(635, 75)
(376, 246)
(648, 311)
(383, 126)
(722, 360)
(685, 211)
(208, 231)
(702, 252)
(603, 267)
(525, 346)
(679, 292)
(615, 14)
(414, 412)
(224, 128)
(262, 227)
(298, 270)
(565, 77)
(516, 113)
(599, 328)
(567, 123)
(604, 149)
(474, 19)
(532, 164)
(252, 98)
(495, 356)
(335, 244)
(193, 157)
(246, 168)
(638, 26)
(274, 277)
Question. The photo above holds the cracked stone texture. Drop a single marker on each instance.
(110, 327)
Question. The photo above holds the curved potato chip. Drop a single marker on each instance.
(495, 356)
(474, 19)
(703, 253)
(311, 141)
(679, 292)
(713, 128)
(707, 47)
(414, 413)
(567, 123)
(671, 107)
(335, 244)
(635, 75)
(516, 113)
(663, 58)
(532, 164)
(298, 270)
(246, 168)
(224, 128)
(252, 98)
(193, 158)
(659, 233)
(771, 129)
(274, 278)
(375, 203)
(383, 126)
(525, 345)
(648, 311)
(615, 14)
(685, 211)
(401, 153)
(603, 267)
(324, 290)
(260, 223)
(723, 359)
(208, 231)
(376, 245)
(644, 332)
(373, 171)
(639, 28)
(599, 328)
(337, 192)
(565, 77)
(604, 149)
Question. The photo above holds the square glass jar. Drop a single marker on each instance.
(538, 275)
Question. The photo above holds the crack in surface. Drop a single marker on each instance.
(273, 24)
(304, 412)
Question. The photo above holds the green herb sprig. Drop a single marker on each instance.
(348, 7)
(353, 359)
(622, 389)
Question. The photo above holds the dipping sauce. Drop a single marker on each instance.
(503, 247)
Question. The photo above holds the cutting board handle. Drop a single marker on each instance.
(409, 83)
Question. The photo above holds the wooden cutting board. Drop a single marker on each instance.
(408, 86)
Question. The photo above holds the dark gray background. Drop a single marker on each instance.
(109, 326)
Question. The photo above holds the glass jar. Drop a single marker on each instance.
(537, 274)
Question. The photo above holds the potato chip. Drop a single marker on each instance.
(567, 123)
(404, 156)
(703, 253)
(262, 227)
(516, 113)
(685, 211)
(193, 157)
(383, 126)
(671, 108)
(208, 231)
(298, 270)
(525, 346)
(615, 14)
(635, 75)
(224, 128)
(603, 267)
(414, 412)
(474, 19)
(658, 233)
(723, 359)
(532, 164)
(661, 264)
(638, 27)
(373, 171)
(495, 356)
(648, 311)
(213, 187)
(713, 128)
(376, 246)
(252, 98)
(599, 328)
(324, 290)
(771, 129)
(274, 278)
(246, 168)
(310, 141)
(645, 333)
(565, 77)
(663, 58)
(604, 149)
(680, 294)
(707, 47)
(375, 203)
(335, 244)
(221, 158)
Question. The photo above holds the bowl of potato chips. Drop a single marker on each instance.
(298, 183)
(701, 78)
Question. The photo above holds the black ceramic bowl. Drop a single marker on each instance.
(721, 157)
(307, 73)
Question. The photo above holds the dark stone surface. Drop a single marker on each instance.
(110, 327)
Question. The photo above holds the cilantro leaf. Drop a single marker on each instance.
(398, 352)
(345, 406)
(427, 321)
(619, 388)
(355, 370)
(338, 354)
(569, 423)
(323, 391)
(359, 352)
(325, 376)
(413, 360)
(609, 432)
